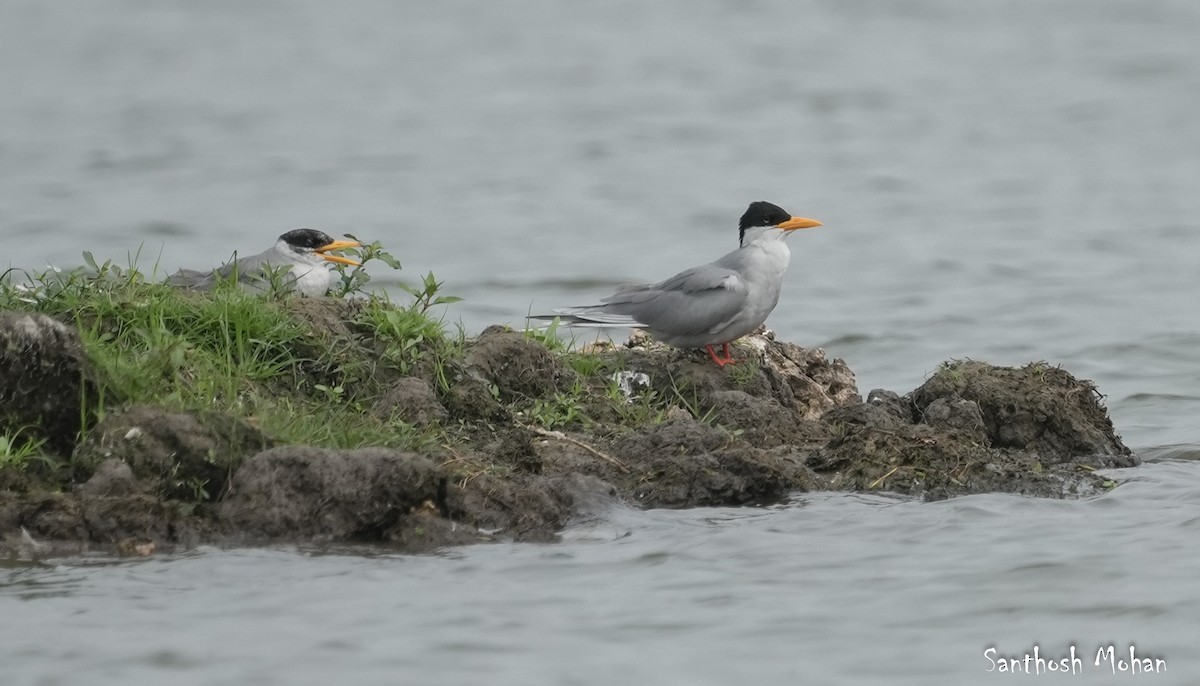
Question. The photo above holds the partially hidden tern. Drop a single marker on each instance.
(304, 254)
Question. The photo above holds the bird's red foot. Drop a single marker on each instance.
(721, 361)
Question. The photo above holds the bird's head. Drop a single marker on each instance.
(310, 243)
(763, 220)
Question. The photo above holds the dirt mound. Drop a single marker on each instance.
(301, 493)
(179, 455)
(1036, 408)
(520, 507)
(45, 391)
(80, 517)
(519, 366)
(785, 382)
(328, 317)
(386, 496)
(812, 383)
(763, 422)
(976, 428)
(685, 463)
(412, 400)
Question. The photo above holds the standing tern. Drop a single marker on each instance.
(715, 303)
(304, 253)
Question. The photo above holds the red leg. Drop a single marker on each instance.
(713, 354)
(721, 362)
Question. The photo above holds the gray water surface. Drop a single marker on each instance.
(1003, 180)
(828, 588)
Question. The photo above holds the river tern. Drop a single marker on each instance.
(712, 304)
(303, 253)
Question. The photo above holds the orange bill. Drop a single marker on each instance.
(798, 223)
(339, 245)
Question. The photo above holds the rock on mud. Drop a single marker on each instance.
(772, 389)
(388, 496)
(327, 317)
(976, 428)
(301, 493)
(113, 477)
(521, 507)
(519, 366)
(185, 456)
(805, 377)
(685, 463)
(83, 517)
(44, 386)
(1037, 408)
(412, 400)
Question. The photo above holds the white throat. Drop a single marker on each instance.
(763, 234)
(765, 252)
(310, 270)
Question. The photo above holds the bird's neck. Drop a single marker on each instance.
(767, 258)
(770, 245)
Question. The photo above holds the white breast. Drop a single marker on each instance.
(762, 269)
(311, 281)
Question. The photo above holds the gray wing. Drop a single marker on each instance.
(191, 278)
(696, 301)
(251, 272)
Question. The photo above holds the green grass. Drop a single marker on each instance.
(18, 452)
(548, 336)
(685, 395)
(237, 352)
(563, 409)
(645, 407)
(156, 343)
(586, 364)
(745, 371)
(410, 336)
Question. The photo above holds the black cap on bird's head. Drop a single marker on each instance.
(319, 242)
(762, 214)
(306, 239)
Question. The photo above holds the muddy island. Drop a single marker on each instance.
(137, 418)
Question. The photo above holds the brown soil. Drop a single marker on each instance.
(1037, 408)
(177, 455)
(519, 367)
(413, 400)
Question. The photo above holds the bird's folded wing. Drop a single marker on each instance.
(253, 273)
(259, 275)
(189, 278)
(696, 301)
